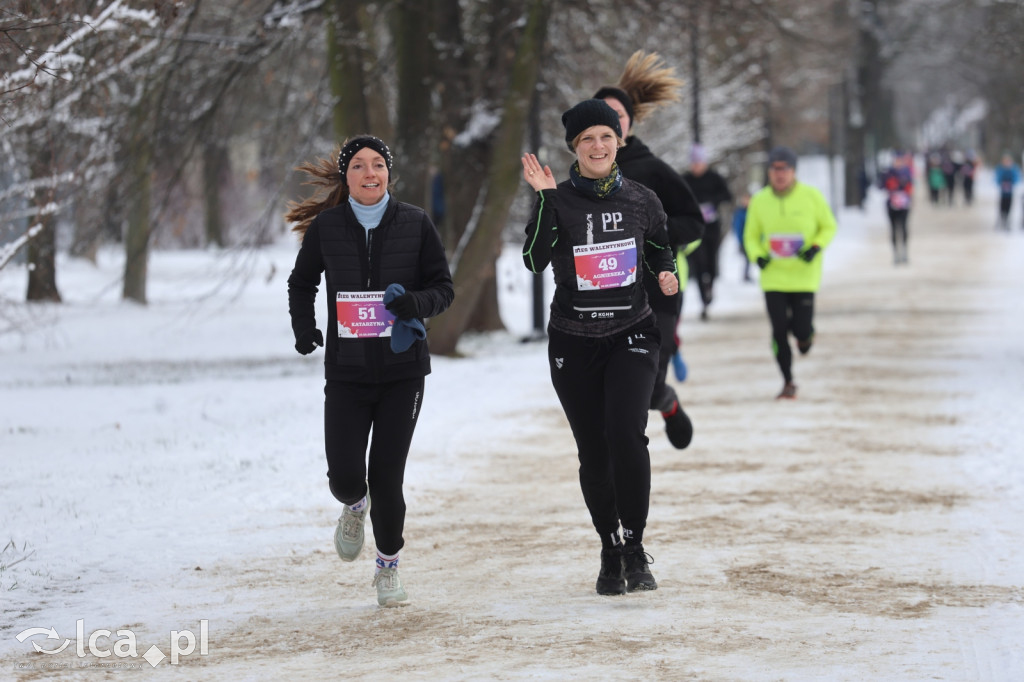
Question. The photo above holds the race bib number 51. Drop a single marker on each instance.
(605, 266)
(361, 315)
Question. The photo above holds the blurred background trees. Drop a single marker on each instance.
(166, 124)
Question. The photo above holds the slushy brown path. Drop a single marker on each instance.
(861, 532)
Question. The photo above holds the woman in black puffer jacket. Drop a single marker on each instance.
(385, 270)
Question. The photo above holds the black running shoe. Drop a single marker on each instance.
(805, 346)
(611, 579)
(678, 426)
(788, 392)
(638, 575)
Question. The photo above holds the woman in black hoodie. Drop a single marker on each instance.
(652, 85)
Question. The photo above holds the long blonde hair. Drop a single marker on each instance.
(649, 83)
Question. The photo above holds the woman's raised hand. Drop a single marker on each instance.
(539, 177)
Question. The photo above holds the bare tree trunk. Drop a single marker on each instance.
(42, 249)
(97, 221)
(136, 241)
(476, 264)
(853, 152)
(461, 166)
(463, 169)
(871, 74)
(695, 69)
(356, 109)
(414, 131)
(862, 94)
(216, 171)
(487, 316)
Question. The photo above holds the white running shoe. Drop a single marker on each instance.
(349, 535)
(390, 591)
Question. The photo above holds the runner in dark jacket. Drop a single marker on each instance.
(711, 191)
(598, 230)
(898, 183)
(385, 270)
(643, 85)
(1007, 176)
(967, 172)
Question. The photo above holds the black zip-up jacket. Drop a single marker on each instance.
(709, 187)
(405, 248)
(564, 218)
(685, 220)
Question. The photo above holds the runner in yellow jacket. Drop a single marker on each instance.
(788, 225)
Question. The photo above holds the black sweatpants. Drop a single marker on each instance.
(391, 411)
(604, 386)
(789, 313)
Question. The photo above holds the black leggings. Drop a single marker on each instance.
(391, 410)
(704, 261)
(1005, 204)
(604, 386)
(898, 227)
(789, 312)
(664, 396)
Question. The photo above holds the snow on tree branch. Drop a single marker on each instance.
(56, 61)
(481, 124)
(8, 250)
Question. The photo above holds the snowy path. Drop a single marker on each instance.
(164, 468)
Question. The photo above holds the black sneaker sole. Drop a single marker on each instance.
(643, 585)
(611, 587)
(679, 429)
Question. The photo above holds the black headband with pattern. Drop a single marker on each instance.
(357, 143)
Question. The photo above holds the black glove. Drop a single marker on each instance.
(763, 262)
(308, 340)
(404, 307)
(809, 253)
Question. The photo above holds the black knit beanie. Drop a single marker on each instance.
(619, 94)
(355, 144)
(589, 112)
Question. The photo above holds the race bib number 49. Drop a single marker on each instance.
(361, 315)
(605, 266)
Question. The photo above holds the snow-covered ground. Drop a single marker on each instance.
(163, 478)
